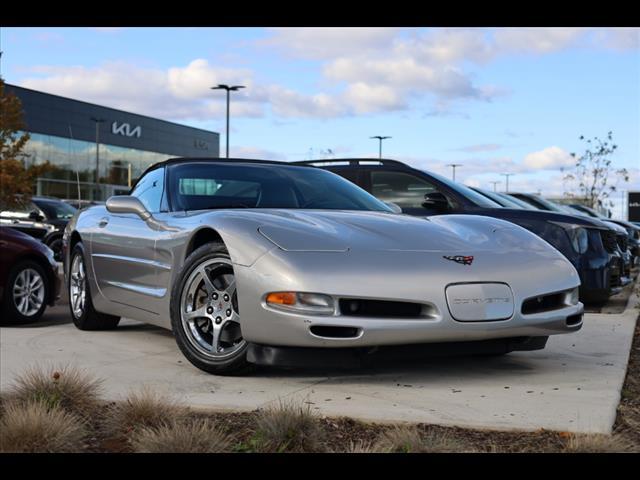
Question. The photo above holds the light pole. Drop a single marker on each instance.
(98, 122)
(453, 167)
(507, 175)
(494, 185)
(380, 138)
(233, 88)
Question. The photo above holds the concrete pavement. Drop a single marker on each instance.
(572, 385)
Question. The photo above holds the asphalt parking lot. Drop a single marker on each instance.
(572, 385)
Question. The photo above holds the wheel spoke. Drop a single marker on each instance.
(215, 342)
(198, 313)
(207, 281)
(234, 317)
(231, 288)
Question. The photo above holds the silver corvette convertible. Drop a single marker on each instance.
(256, 262)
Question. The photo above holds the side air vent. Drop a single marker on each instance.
(335, 332)
(358, 307)
(543, 303)
(574, 319)
(608, 240)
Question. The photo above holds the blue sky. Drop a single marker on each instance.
(496, 100)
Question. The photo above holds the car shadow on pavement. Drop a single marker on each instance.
(458, 365)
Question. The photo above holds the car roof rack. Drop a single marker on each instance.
(350, 161)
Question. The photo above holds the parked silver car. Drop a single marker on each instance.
(264, 262)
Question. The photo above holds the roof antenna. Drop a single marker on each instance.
(77, 173)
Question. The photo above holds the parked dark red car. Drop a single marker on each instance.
(28, 277)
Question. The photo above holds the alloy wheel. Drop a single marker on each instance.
(209, 309)
(77, 286)
(28, 292)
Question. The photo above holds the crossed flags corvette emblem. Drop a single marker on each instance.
(463, 259)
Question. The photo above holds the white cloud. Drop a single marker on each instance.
(549, 158)
(198, 77)
(329, 42)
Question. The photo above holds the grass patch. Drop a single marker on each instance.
(35, 427)
(598, 443)
(288, 427)
(65, 387)
(142, 409)
(193, 436)
(409, 439)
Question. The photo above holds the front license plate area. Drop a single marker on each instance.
(479, 302)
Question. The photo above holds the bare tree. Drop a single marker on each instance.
(596, 178)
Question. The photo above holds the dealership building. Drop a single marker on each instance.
(80, 139)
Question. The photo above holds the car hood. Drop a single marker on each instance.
(513, 214)
(339, 231)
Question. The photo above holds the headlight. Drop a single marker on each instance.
(312, 303)
(578, 236)
(573, 297)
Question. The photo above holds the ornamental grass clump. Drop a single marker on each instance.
(191, 436)
(66, 387)
(598, 443)
(36, 427)
(142, 409)
(408, 439)
(288, 427)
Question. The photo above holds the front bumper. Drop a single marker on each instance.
(397, 276)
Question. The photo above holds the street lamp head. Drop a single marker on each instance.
(223, 86)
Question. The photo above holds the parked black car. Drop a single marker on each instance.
(423, 193)
(28, 277)
(41, 217)
(621, 246)
(633, 231)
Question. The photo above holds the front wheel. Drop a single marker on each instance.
(26, 293)
(204, 313)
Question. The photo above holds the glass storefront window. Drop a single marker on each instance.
(74, 164)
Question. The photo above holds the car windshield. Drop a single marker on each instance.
(55, 210)
(505, 202)
(474, 197)
(207, 185)
(520, 203)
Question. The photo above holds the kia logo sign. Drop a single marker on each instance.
(200, 144)
(634, 206)
(126, 130)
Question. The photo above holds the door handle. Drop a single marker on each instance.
(103, 222)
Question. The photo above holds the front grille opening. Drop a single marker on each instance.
(574, 319)
(335, 332)
(543, 303)
(358, 307)
(623, 242)
(609, 240)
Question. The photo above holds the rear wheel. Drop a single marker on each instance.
(204, 313)
(26, 293)
(84, 315)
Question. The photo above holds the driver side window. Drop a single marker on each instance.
(403, 189)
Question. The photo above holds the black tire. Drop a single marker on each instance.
(10, 313)
(236, 364)
(55, 244)
(90, 318)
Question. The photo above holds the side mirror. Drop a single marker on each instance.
(35, 215)
(435, 200)
(394, 206)
(127, 204)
